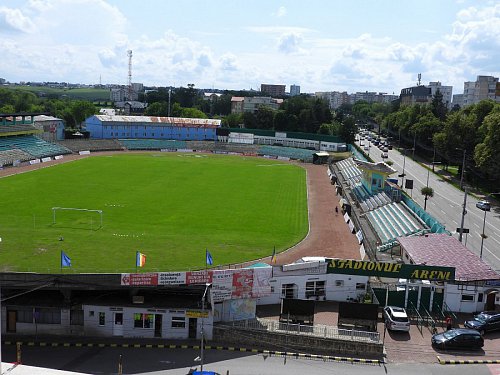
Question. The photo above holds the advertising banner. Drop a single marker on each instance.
(242, 283)
(388, 269)
(261, 285)
(139, 279)
(222, 285)
(172, 278)
(198, 277)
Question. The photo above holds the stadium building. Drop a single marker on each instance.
(151, 127)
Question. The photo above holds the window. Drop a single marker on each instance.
(467, 297)
(178, 322)
(102, 318)
(361, 286)
(25, 315)
(91, 313)
(288, 290)
(143, 320)
(315, 288)
(76, 317)
(480, 297)
(339, 283)
(47, 315)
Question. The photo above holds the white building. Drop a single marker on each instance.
(446, 91)
(294, 90)
(485, 87)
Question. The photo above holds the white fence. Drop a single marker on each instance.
(301, 329)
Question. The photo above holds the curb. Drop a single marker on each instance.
(467, 361)
(197, 347)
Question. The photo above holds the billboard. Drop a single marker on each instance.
(389, 269)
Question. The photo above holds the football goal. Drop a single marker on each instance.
(77, 216)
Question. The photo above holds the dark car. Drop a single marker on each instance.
(459, 338)
(484, 322)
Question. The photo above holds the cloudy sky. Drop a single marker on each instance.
(321, 45)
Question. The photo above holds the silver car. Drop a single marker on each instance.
(396, 319)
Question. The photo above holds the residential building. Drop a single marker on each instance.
(122, 93)
(294, 90)
(446, 91)
(334, 98)
(485, 87)
(241, 104)
(458, 99)
(273, 90)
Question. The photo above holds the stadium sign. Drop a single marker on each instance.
(388, 269)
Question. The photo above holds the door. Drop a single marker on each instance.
(118, 324)
(193, 324)
(490, 301)
(158, 324)
(11, 320)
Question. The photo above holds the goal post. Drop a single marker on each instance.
(55, 209)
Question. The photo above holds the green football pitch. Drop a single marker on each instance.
(170, 207)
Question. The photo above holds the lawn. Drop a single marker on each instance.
(170, 207)
(84, 93)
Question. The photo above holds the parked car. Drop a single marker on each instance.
(485, 322)
(396, 319)
(384, 155)
(458, 338)
(483, 205)
(389, 146)
(366, 148)
(361, 143)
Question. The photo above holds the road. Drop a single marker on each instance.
(446, 206)
(180, 362)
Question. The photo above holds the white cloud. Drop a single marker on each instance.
(281, 12)
(15, 20)
(289, 43)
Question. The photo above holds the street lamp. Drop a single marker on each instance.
(202, 346)
(483, 236)
(463, 167)
(404, 164)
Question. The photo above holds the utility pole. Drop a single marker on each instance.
(464, 212)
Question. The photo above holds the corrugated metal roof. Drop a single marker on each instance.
(444, 250)
(179, 121)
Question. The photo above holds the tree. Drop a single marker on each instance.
(280, 121)
(79, 110)
(233, 120)
(438, 108)
(487, 153)
(157, 109)
(348, 130)
(192, 113)
(264, 116)
(427, 192)
(249, 120)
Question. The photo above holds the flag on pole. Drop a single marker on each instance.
(65, 260)
(209, 260)
(140, 259)
(273, 257)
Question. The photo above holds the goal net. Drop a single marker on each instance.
(82, 218)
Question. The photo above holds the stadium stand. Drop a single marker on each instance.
(237, 147)
(18, 128)
(391, 221)
(77, 145)
(152, 144)
(8, 157)
(292, 153)
(32, 145)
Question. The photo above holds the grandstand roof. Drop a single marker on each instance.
(379, 167)
(180, 121)
(46, 118)
(444, 250)
(237, 99)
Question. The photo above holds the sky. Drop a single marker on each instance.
(320, 45)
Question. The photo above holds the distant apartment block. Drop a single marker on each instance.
(240, 104)
(336, 99)
(445, 90)
(121, 94)
(294, 90)
(273, 90)
(485, 87)
(458, 99)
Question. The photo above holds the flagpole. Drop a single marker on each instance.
(60, 260)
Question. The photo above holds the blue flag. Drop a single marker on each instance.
(65, 260)
(209, 260)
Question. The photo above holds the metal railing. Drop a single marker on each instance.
(317, 330)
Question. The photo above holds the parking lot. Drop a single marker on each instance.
(405, 347)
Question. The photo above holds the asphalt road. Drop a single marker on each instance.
(446, 206)
(180, 362)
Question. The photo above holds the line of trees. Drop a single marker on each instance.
(473, 130)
